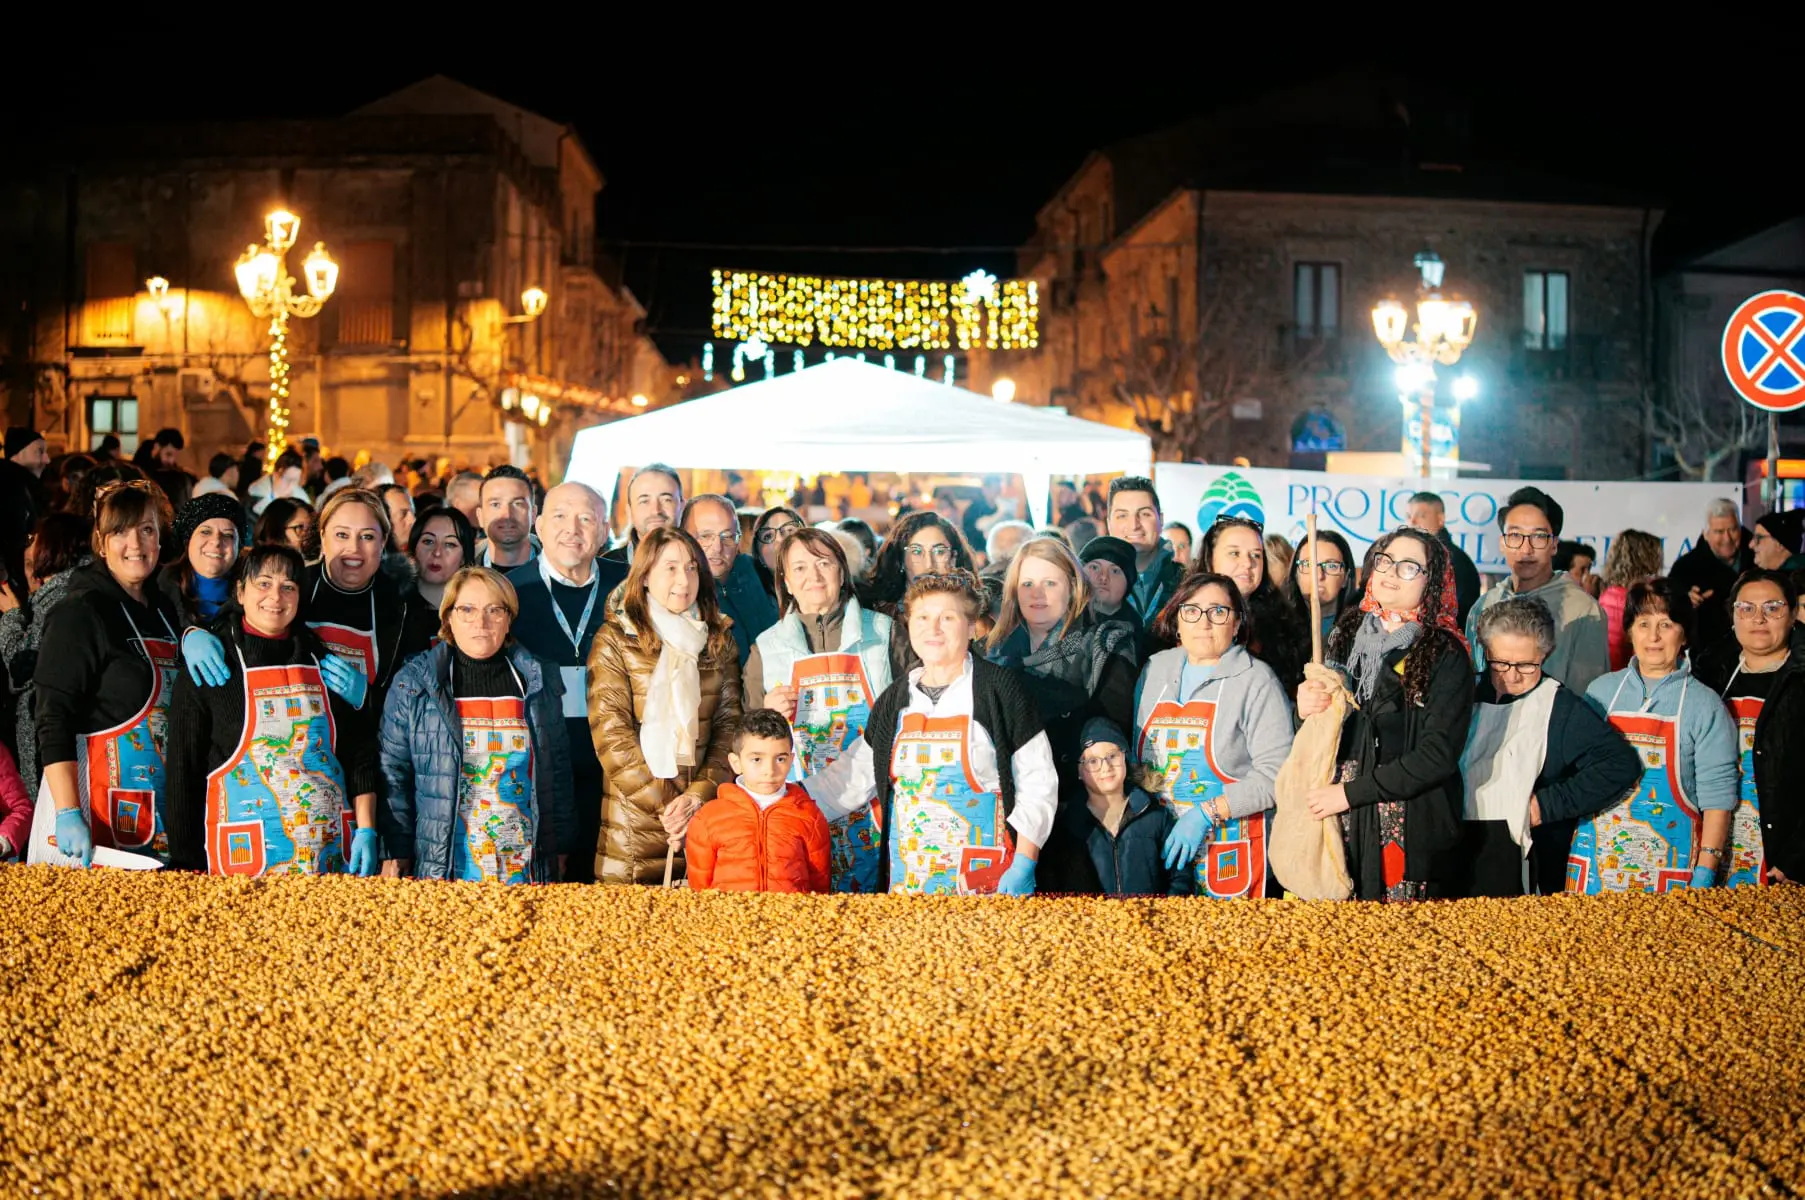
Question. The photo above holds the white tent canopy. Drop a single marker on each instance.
(848, 415)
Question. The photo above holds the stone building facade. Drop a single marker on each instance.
(441, 205)
(1194, 288)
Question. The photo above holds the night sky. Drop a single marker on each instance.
(725, 148)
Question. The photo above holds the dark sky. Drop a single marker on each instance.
(951, 142)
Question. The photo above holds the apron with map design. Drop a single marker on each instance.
(277, 806)
(1647, 841)
(1178, 743)
(492, 835)
(948, 837)
(833, 703)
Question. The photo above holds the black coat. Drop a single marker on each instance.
(1466, 576)
(1089, 672)
(1700, 568)
(1408, 754)
(1084, 858)
(1779, 751)
(21, 504)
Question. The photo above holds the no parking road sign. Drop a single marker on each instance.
(1764, 351)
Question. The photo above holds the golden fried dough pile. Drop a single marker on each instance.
(184, 1036)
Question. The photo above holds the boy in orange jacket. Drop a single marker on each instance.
(760, 833)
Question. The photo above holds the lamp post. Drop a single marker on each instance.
(267, 287)
(1444, 329)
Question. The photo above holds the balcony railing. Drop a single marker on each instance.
(1577, 357)
(366, 322)
(1319, 352)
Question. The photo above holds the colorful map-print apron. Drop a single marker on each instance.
(1647, 841)
(1177, 742)
(1748, 861)
(948, 837)
(278, 805)
(120, 771)
(492, 838)
(356, 645)
(833, 703)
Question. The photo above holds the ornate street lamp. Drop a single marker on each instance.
(267, 287)
(1444, 329)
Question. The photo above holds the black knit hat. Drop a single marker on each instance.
(212, 506)
(1787, 528)
(1535, 497)
(1102, 729)
(1110, 549)
(20, 437)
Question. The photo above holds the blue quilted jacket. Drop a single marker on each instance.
(422, 760)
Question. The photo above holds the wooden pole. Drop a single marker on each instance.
(1315, 597)
(670, 861)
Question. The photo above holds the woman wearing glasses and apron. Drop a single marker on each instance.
(1672, 829)
(1398, 790)
(1215, 726)
(105, 676)
(922, 543)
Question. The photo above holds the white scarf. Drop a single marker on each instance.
(667, 735)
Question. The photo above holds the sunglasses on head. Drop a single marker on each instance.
(1247, 522)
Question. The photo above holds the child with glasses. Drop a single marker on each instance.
(1112, 843)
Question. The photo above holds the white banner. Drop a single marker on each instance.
(1362, 507)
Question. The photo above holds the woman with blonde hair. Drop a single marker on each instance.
(664, 704)
(1634, 557)
(1074, 665)
(474, 748)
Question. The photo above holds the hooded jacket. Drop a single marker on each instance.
(90, 674)
(423, 763)
(1580, 652)
(632, 845)
(1252, 733)
(1708, 768)
(733, 845)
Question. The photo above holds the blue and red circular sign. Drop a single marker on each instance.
(1764, 351)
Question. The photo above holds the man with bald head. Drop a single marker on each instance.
(563, 594)
(715, 523)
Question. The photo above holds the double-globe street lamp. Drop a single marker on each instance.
(1444, 329)
(268, 288)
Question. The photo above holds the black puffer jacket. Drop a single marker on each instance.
(1779, 750)
(1089, 672)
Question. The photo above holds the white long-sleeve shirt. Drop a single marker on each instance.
(850, 782)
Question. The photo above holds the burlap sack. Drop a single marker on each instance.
(1306, 854)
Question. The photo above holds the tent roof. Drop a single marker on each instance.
(848, 415)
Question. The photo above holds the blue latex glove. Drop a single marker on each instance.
(1704, 876)
(1186, 839)
(206, 658)
(346, 679)
(1018, 879)
(362, 859)
(72, 838)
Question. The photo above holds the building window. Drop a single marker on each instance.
(1545, 310)
(366, 294)
(117, 415)
(1316, 299)
(111, 292)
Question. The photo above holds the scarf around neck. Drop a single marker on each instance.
(667, 735)
(1371, 644)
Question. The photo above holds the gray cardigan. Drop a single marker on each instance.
(1253, 730)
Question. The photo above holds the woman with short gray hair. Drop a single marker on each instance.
(1538, 759)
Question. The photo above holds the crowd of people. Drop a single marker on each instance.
(326, 670)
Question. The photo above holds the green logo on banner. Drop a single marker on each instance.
(1230, 496)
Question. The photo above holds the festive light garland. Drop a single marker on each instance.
(278, 386)
(879, 314)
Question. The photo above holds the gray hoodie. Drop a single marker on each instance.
(1580, 654)
(1251, 736)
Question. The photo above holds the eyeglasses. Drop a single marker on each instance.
(706, 540)
(1099, 762)
(1218, 614)
(772, 533)
(1541, 539)
(489, 615)
(1522, 670)
(1745, 610)
(1404, 568)
(940, 552)
(1331, 569)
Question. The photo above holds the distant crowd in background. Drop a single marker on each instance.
(318, 666)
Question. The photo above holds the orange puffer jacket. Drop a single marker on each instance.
(734, 846)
